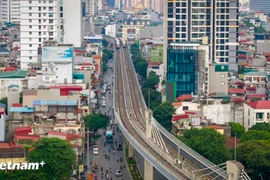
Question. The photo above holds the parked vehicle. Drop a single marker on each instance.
(95, 150)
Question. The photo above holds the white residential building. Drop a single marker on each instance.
(93, 6)
(256, 112)
(10, 11)
(110, 30)
(57, 66)
(48, 20)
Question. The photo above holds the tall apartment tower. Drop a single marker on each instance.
(189, 21)
(10, 11)
(48, 20)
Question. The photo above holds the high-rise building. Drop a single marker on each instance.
(10, 11)
(111, 3)
(93, 6)
(187, 70)
(260, 5)
(189, 21)
(157, 5)
(48, 20)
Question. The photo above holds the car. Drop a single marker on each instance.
(103, 98)
(118, 173)
(103, 104)
(95, 150)
(103, 101)
(119, 147)
(109, 87)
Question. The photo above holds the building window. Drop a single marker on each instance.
(30, 8)
(30, 27)
(30, 57)
(30, 20)
(222, 83)
(222, 75)
(30, 51)
(30, 2)
(47, 78)
(30, 14)
(30, 33)
(185, 108)
(30, 45)
(44, 8)
(44, 14)
(44, 33)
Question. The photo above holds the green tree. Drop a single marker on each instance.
(21, 97)
(255, 135)
(237, 129)
(261, 127)
(105, 58)
(5, 101)
(151, 81)
(104, 67)
(109, 53)
(24, 175)
(207, 142)
(141, 68)
(154, 104)
(57, 154)
(104, 43)
(255, 155)
(96, 121)
(154, 95)
(163, 114)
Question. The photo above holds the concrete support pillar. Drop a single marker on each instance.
(148, 116)
(234, 169)
(148, 171)
(130, 151)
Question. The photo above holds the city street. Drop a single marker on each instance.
(100, 159)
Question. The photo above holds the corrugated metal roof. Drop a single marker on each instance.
(14, 74)
(51, 102)
(22, 109)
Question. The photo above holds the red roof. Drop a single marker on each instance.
(64, 90)
(153, 63)
(96, 57)
(242, 56)
(26, 137)
(238, 100)
(68, 136)
(254, 96)
(9, 69)
(178, 117)
(236, 91)
(230, 142)
(23, 130)
(17, 105)
(192, 113)
(251, 88)
(79, 51)
(262, 104)
(266, 54)
(215, 127)
(187, 97)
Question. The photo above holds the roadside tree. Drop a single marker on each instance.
(57, 154)
(95, 122)
(237, 128)
(163, 114)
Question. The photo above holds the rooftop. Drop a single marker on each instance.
(236, 91)
(14, 74)
(22, 109)
(255, 73)
(52, 102)
(263, 104)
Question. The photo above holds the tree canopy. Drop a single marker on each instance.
(57, 154)
(96, 121)
(261, 127)
(109, 53)
(163, 114)
(155, 97)
(255, 135)
(237, 129)
(207, 142)
(24, 175)
(255, 155)
(104, 43)
(151, 81)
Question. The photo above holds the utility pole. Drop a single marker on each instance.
(235, 146)
(148, 99)
(88, 164)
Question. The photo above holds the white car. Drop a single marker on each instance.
(118, 173)
(103, 98)
(103, 104)
(95, 150)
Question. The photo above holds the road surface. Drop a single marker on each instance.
(100, 159)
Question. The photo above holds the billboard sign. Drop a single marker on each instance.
(57, 54)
